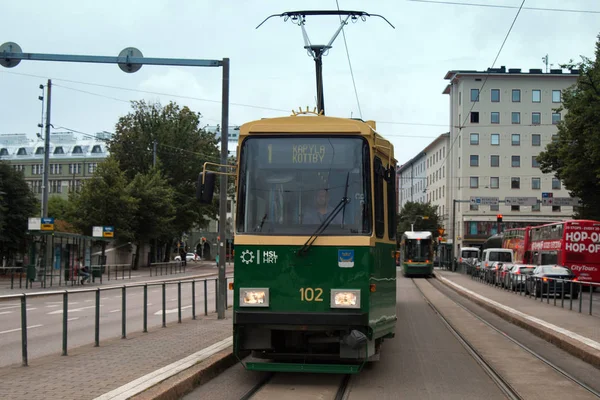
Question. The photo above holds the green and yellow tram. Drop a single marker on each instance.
(315, 276)
(416, 253)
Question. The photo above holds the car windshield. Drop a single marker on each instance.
(502, 256)
(290, 186)
(555, 271)
(469, 254)
(526, 270)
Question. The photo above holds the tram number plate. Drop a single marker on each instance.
(310, 294)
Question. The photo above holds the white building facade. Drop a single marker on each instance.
(412, 181)
(500, 120)
(435, 169)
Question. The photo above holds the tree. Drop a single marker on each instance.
(155, 210)
(59, 208)
(574, 155)
(104, 201)
(413, 213)
(17, 204)
(182, 148)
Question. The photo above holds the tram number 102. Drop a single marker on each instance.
(310, 294)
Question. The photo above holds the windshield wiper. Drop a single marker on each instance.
(262, 222)
(339, 207)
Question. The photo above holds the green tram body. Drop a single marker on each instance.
(416, 253)
(283, 298)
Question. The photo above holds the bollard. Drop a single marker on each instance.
(65, 316)
(179, 302)
(146, 308)
(205, 298)
(193, 299)
(97, 319)
(124, 312)
(24, 329)
(164, 305)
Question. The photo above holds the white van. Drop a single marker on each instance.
(491, 256)
(468, 254)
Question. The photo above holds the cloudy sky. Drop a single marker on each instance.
(398, 72)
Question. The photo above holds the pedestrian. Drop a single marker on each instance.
(217, 260)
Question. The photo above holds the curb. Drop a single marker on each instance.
(559, 340)
(178, 385)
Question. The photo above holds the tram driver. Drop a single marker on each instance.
(321, 210)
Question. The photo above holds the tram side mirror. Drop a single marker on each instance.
(205, 188)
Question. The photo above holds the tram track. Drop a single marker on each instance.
(524, 347)
(255, 392)
(502, 383)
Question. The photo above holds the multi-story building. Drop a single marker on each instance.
(412, 181)
(500, 120)
(71, 160)
(435, 170)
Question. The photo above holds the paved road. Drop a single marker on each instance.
(45, 317)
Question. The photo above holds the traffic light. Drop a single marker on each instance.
(499, 218)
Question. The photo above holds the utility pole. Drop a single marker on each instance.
(223, 193)
(45, 188)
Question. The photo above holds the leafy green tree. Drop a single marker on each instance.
(155, 210)
(59, 208)
(424, 217)
(17, 204)
(104, 201)
(574, 155)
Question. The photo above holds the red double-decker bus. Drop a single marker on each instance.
(574, 244)
(519, 240)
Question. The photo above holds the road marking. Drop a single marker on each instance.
(18, 329)
(573, 335)
(73, 319)
(175, 299)
(139, 385)
(52, 305)
(5, 312)
(8, 307)
(113, 311)
(88, 300)
(70, 310)
(30, 309)
(159, 312)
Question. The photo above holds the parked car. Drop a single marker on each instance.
(517, 276)
(188, 257)
(542, 281)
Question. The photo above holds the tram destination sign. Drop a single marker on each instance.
(520, 201)
(484, 201)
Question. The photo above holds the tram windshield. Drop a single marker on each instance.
(417, 250)
(288, 186)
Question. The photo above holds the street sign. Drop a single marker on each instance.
(520, 201)
(34, 224)
(97, 231)
(109, 231)
(547, 198)
(441, 231)
(47, 224)
(565, 201)
(484, 201)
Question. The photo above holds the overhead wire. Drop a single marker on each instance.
(458, 3)
(349, 62)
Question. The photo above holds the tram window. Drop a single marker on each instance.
(379, 210)
(391, 203)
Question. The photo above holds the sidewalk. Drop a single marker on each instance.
(576, 333)
(193, 270)
(89, 372)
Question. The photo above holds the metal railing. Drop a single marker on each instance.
(19, 271)
(169, 267)
(534, 287)
(100, 270)
(65, 310)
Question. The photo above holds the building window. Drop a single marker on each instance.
(555, 184)
(22, 151)
(55, 169)
(474, 160)
(474, 182)
(59, 150)
(516, 117)
(96, 149)
(92, 167)
(474, 138)
(495, 139)
(494, 207)
(39, 150)
(495, 95)
(515, 208)
(474, 117)
(515, 161)
(459, 98)
(536, 207)
(495, 117)
(536, 118)
(534, 162)
(494, 182)
(515, 139)
(555, 118)
(474, 94)
(494, 161)
(516, 95)
(536, 139)
(536, 183)
(536, 96)
(77, 150)
(74, 169)
(3, 152)
(37, 169)
(473, 207)
(556, 96)
(555, 208)
(515, 183)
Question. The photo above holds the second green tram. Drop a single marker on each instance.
(416, 253)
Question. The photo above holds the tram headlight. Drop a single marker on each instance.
(254, 297)
(345, 298)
